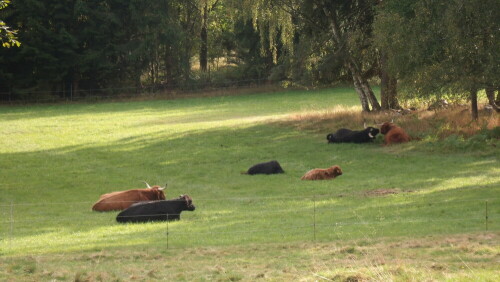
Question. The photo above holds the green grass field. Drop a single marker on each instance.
(406, 212)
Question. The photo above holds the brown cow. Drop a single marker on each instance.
(322, 174)
(121, 200)
(393, 134)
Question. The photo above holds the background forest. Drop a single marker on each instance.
(411, 48)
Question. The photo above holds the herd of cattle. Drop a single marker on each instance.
(144, 205)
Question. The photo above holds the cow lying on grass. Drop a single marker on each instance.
(271, 167)
(157, 210)
(345, 135)
(393, 134)
(123, 199)
(322, 174)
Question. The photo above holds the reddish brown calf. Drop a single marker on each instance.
(322, 174)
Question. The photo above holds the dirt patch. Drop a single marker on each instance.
(381, 192)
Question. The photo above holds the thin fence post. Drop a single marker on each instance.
(314, 219)
(167, 232)
(11, 222)
(486, 215)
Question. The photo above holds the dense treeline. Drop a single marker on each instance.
(421, 47)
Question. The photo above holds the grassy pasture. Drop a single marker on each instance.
(55, 161)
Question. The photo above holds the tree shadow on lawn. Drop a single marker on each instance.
(206, 164)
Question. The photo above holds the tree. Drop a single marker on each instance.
(345, 19)
(205, 8)
(439, 48)
(346, 25)
(7, 35)
(97, 44)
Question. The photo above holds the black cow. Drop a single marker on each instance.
(344, 135)
(156, 210)
(271, 167)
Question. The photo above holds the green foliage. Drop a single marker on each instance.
(7, 35)
(304, 49)
(491, 133)
(435, 48)
(96, 44)
(254, 61)
(482, 143)
(441, 47)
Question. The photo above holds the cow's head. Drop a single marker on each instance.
(386, 126)
(330, 137)
(158, 190)
(334, 171)
(189, 202)
(372, 132)
(156, 186)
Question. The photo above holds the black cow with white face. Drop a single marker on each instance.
(156, 210)
(345, 135)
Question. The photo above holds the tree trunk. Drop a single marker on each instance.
(152, 72)
(363, 84)
(363, 88)
(393, 93)
(473, 103)
(490, 93)
(362, 97)
(388, 86)
(384, 85)
(168, 66)
(371, 96)
(75, 85)
(204, 39)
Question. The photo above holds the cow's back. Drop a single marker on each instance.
(353, 136)
(339, 136)
(123, 199)
(360, 136)
(396, 135)
(150, 211)
(316, 174)
(116, 200)
(272, 167)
